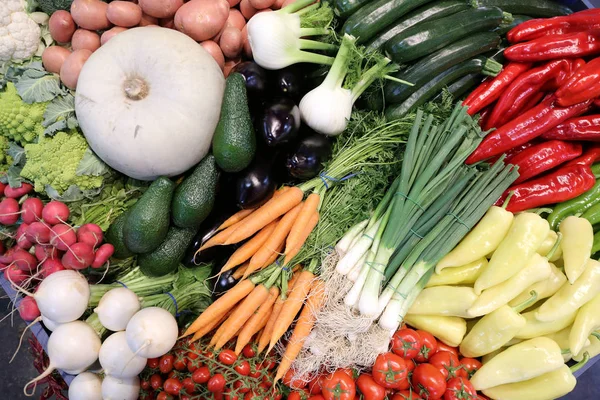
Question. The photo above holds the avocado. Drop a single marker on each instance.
(234, 142)
(114, 236)
(147, 222)
(166, 258)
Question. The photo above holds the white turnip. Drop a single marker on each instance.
(117, 359)
(152, 332)
(86, 386)
(49, 324)
(120, 389)
(116, 308)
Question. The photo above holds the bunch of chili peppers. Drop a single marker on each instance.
(539, 108)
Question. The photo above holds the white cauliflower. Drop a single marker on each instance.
(19, 33)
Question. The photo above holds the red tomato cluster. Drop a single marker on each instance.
(418, 367)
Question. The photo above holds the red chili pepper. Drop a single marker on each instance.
(581, 128)
(525, 127)
(490, 90)
(543, 157)
(583, 85)
(525, 87)
(536, 28)
(578, 44)
(591, 155)
(597, 103)
(561, 185)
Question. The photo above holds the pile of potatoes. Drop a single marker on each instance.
(218, 25)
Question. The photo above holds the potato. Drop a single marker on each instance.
(277, 5)
(69, 72)
(53, 58)
(215, 51)
(231, 42)
(167, 23)
(245, 43)
(148, 20)
(161, 8)
(247, 10)
(61, 26)
(233, 3)
(235, 19)
(230, 65)
(261, 4)
(124, 14)
(84, 39)
(202, 19)
(90, 14)
(109, 34)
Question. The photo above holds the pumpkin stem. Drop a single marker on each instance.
(135, 88)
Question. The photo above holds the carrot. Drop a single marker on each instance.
(199, 334)
(235, 218)
(291, 306)
(241, 270)
(309, 207)
(220, 307)
(256, 321)
(242, 314)
(308, 228)
(266, 214)
(275, 240)
(305, 324)
(248, 249)
(265, 335)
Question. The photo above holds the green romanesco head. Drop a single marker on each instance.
(54, 160)
(19, 121)
(5, 159)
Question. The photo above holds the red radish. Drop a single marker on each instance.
(2, 186)
(62, 236)
(55, 212)
(19, 192)
(7, 256)
(103, 253)
(38, 232)
(61, 26)
(91, 234)
(43, 253)
(15, 275)
(79, 256)
(51, 266)
(3, 267)
(9, 211)
(24, 260)
(28, 309)
(31, 210)
(2, 249)
(22, 241)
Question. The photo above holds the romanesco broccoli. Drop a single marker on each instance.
(19, 121)
(5, 159)
(54, 161)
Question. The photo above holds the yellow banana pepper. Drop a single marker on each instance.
(545, 288)
(485, 359)
(450, 330)
(562, 339)
(548, 244)
(534, 328)
(520, 362)
(586, 322)
(465, 275)
(450, 301)
(593, 349)
(525, 236)
(577, 245)
(570, 297)
(483, 239)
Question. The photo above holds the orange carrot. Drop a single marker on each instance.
(266, 214)
(248, 249)
(199, 334)
(256, 321)
(291, 306)
(239, 272)
(275, 240)
(242, 314)
(235, 218)
(220, 307)
(308, 209)
(220, 238)
(308, 228)
(305, 324)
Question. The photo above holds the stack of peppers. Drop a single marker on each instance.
(540, 104)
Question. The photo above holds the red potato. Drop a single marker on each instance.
(111, 33)
(124, 14)
(15, 275)
(167, 23)
(70, 70)
(22, 241)
(55, 212)
(54, 57)
(261, 4)
(247, 10)
(161, 8)
(277, 5)
(215, 51)
(62, 236)
(233, 3)
(236, 19)
(202, 19)
(24, 260)
(79, 256)
(51, 266)
(28, 309)
(43, 253)
(230, 65)
(9, 211)
(246, 43)
(19, 192)
(148, 20)
(85, 40)
(31, 210)
(38, 232)
(61, 26)
(102, 255)
(90, 14)
(231, 42)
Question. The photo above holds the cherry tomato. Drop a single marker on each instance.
(156, 381)
(406, 343)
(189, 385)
(407, 395)
(165, 365)
(316, 397)
(428, 382)
(173, 374)
(243, 368)
(227, 357)
(229, 396)
(470, 365)
(216, 383)
(447, 363)
(193, 365)
(444, 347)
(460, 389)
(297, 396)
(428, 346)
(390, 370)
(179, 363)
(173, 386)
(164, 396)
(288, 380)
(369, 388)
(144, 384)
(338, 386)
(267, 364)
(240, 386)
(201, 375)
(248, 351)
(152, 363)
(184, 397)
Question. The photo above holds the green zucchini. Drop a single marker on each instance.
(424, 39)
(421, 72)
(428, 91)
(503, 29)
(464, 84)
(376, 16)
(345, 8)
(436, 10)
(535, 8)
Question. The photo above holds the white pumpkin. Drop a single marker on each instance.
(148, 102)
